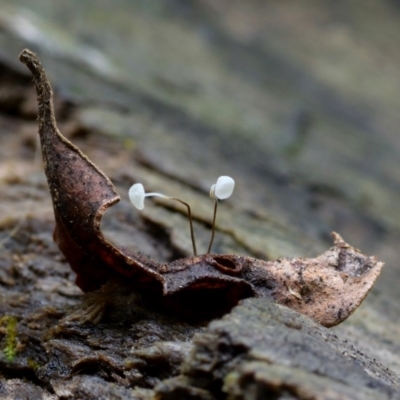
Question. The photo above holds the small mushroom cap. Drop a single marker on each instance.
(223, 188)
(136, 195)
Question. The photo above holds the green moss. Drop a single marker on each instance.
(33, 364)
(10, 341)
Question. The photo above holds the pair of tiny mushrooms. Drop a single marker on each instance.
(327, 288)
(220, 190)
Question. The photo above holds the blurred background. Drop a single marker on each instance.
(298, 101)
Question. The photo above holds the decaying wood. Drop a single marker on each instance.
(327, 288)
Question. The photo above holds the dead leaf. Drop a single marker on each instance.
(327, 288)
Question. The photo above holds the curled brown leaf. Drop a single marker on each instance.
(327, 288)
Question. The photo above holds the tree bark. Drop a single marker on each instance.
(297, 102)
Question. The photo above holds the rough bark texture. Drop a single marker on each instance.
(262, 350)
(297, 101)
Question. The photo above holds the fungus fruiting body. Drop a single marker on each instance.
(137, 195)
(221, 190)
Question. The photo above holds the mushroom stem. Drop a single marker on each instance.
(213, 225)
(190, 222)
